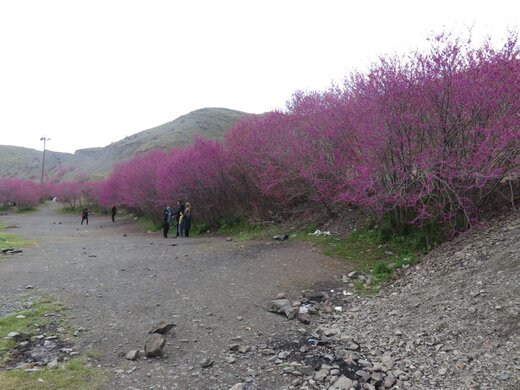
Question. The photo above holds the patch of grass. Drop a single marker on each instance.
(73, 375)
(148, 225)
(8, 240)
(369, 253)
(35, 316)
(382, 270)
(26, 209)
(413, 238)
(200, 228)
(67, 209)
(94, 355)
(242, 230)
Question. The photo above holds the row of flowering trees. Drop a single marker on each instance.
(22, 193)
(199, 173)
(27, 194)
(429, 137)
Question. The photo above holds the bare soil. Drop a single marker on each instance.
(117, 281)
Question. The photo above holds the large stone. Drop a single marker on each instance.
(388, 361)
(306, 370)
(304, 318)
(322, 374)
(283, 355)
(292, 313)
(280, 306)
(50, 345)
(132, 355)
(154, 345)
(162, 327)
(238, 386)
(343, 383)
(53, 363)
(312, 295)
(19, 337)
(389, 381)
(206, 362)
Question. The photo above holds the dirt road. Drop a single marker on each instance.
(118, 281)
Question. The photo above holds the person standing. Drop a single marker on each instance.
(187, 220)
(84, 215)
(114, 211)
(179, 214)
(167, 220)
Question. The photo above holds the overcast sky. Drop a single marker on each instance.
(88, 73)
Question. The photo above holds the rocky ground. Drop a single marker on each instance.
(274, 315)
(451, 322)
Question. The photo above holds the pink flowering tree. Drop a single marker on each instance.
(199, 174)
(25, 194)
(265, 153)
(133, 185)
(446, 132)
(427, 138)
(68, 192)
(431, 137)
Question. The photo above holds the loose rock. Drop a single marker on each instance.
(154, 345)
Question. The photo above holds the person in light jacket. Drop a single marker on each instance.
(179, 216)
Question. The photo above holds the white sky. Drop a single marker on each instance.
(87, 73)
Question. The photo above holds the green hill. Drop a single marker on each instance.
(24, 163)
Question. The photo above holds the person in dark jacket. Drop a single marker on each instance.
(114, 211)
(167, 220)
(187, 220)
(84, 215)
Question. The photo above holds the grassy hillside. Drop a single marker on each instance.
(24, 163)
(17, 162)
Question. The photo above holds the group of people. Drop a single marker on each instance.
(180, 217)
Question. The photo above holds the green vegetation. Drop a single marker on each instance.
(69, 210)
(74, 375)
(200, 228)
(242, 230)
(94, 355)
(365, 249)
(373, 251)
(5, 206)
(16, 209)
(147, 224)
(12, 241)
(35, 316)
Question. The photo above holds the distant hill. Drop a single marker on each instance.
(24, 163)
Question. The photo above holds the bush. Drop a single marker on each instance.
(420, 141)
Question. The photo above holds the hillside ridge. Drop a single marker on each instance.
(25, 163)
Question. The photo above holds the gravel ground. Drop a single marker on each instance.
(451, 322)
(117, 282)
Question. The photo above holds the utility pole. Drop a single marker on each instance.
(44, 139)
